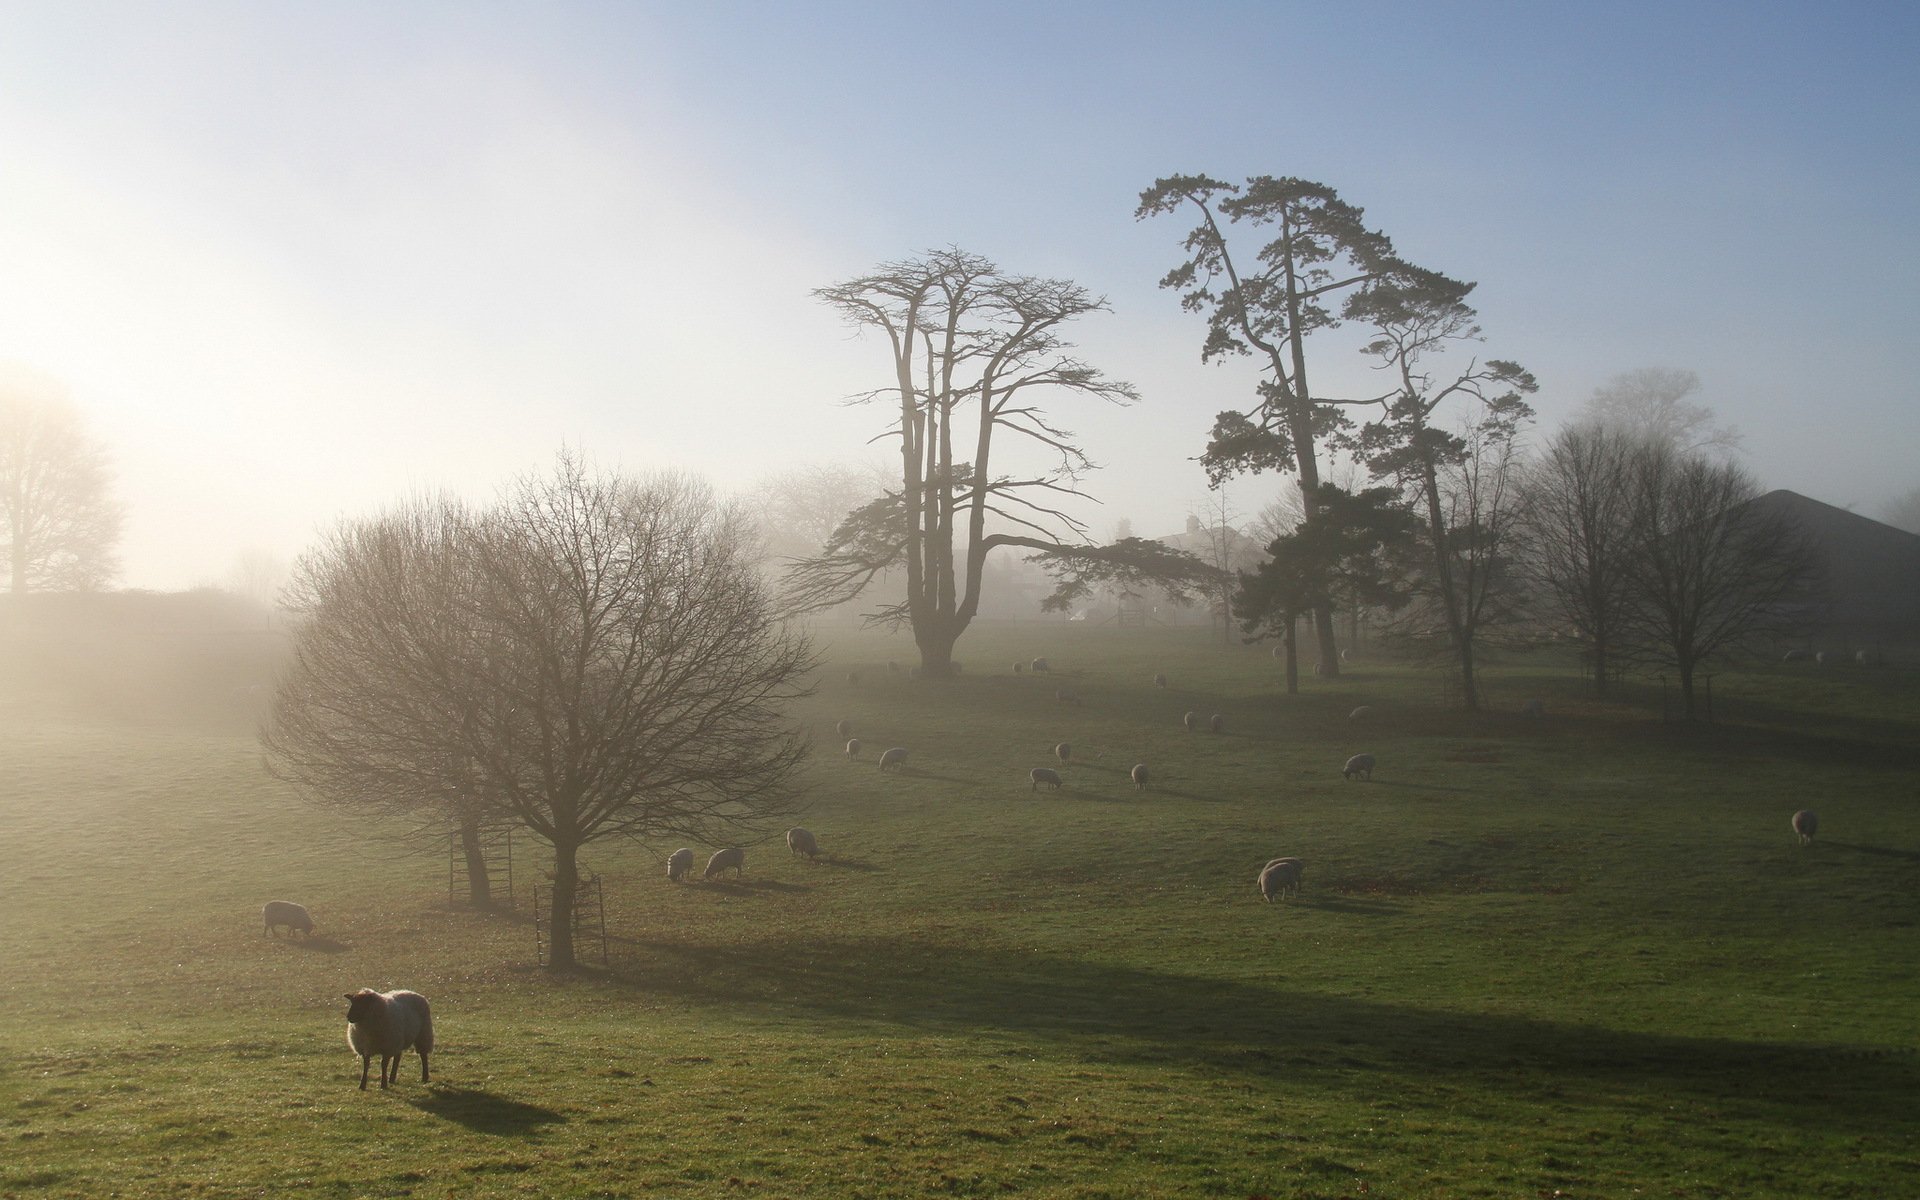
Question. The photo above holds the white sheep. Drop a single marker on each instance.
(1359, 764)
(1805, 824)
(388, 1024)
(1281, 877)
(1139, 777)
(1039, 664)
(1217, 723)
(801, 841)
(732, 856)
(1191, 720)
(1360, 714)
(1346, 655)
(1820, 659)
(893, 757)
(1046, 775)
(853, 747)
(679, 863)
(286, 912)
(1063, 751)
(843, 727)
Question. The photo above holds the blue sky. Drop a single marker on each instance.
(299, 260)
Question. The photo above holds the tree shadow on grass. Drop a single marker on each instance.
(484, 1112)
(1880, 851)
(1128, 1014)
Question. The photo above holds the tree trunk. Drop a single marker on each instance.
(1293, 656)
(1469, 690)
(566, 886)
(1600, 665)
(479, 884)
(1686, 690)
(936, 656)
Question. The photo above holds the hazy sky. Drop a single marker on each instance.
(298, 260)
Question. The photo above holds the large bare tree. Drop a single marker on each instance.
(592, 656)
(57, 513)
(1579, 537)
(1651, 403)
(1266, 303)
(974, 352)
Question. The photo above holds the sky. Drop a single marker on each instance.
(298, 262)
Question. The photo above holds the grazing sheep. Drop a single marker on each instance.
(1039, 664)
(1346, 655)
(1280, 877)
(732, 856)
(1159, 680)
(1865, 658)
(893, 757)
(953, 668)
(1805, 824)
(1217, 723)
(679, 863)
(1279, 651)
(1534, 708)
(1046, 775)
(1360, 713)
(1063, 751)
(1019, 667)
(387, 1024)
(843, 727)
(1066, 695)
(1139, 777)
(1820, 659)
(1191, 720)
(286, 912)
(1359, 764)
(853, 747)
(801, 841)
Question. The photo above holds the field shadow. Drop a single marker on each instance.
(1877, 851)
(750, 887)
(484, 1112)
(848, 864)
(1420, 787)
(1129, 1014)
(320, 945)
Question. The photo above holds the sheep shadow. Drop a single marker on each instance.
(750, 887)
(1877, 851)
(1420, 787)
(848, 864)
(1350, 905)
(320, 945)
(484, 1112)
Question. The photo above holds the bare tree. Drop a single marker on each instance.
(1578, 504)
(1652, 403)
(965, 337)
(1711, 570)
(61, 523)
(593, 657)
(794, 512)
(1903, 512)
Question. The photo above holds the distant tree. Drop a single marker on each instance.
(973, 349)
(1579, 536)
(1652, 403)
(258, 575)
(1903, 512)
(796, 511)
(1347, 554)
(1265, 303)
(590, 657)
(1463, 479)
(1712, 572)
(61, 525)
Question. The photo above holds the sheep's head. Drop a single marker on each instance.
(360, 1004)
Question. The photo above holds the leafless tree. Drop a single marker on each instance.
(973, 349)
(1903, 512)
(1578, 504)
(61, 523)
(1711, 571)
(1651, 403)
(592, 657)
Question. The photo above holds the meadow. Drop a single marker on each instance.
(1580, 956)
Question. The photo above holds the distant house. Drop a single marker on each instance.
(1216, 546)
(1870, 592)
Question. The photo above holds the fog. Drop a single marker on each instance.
(296, 264)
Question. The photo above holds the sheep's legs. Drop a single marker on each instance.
(366, 1063)
(423, 1068)
(389, 1067)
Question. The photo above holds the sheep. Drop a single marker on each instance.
(1280, 877)
(1865, 658)
(286, 912)
(801, 841)
(1360, 714)
(1190, 721)
(913, 672)
(732, 856)
(1046, 775)
(1063, 751)
(1066, 695)
(1359, 764)
(853, 747)
(1019, 667)
(679, 863)
(387, 1023)
(1820, 659)
(1039, 664)
(1346, 655)
(1139, 777)
(893, 757)
(843, 727)
(1279, 651)
(1805, 824)
(1159, 679)
(1217, 723)
(1534, 709)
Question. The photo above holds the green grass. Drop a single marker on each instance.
(1579, 955)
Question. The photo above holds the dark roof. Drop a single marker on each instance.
(1872, 569)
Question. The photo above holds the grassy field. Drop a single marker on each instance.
(1575, 957)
